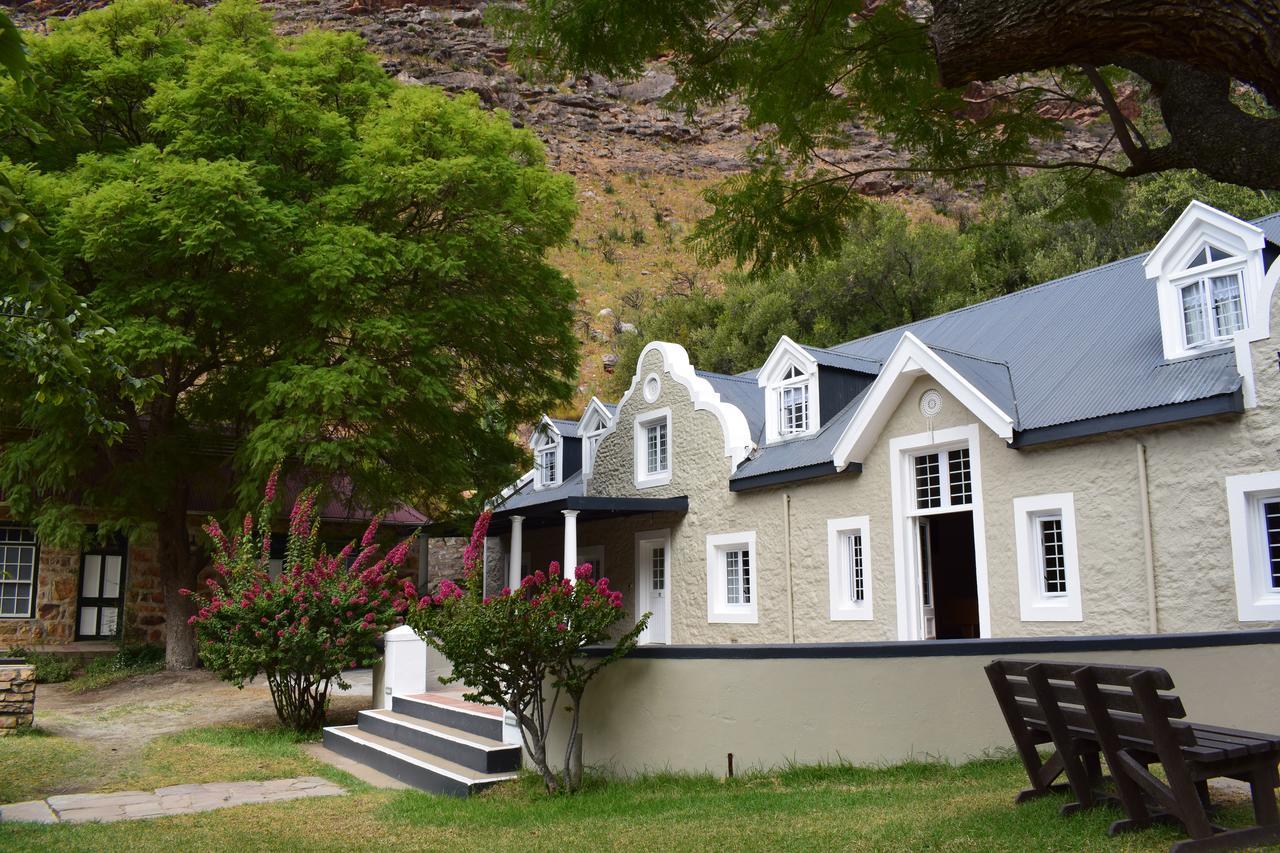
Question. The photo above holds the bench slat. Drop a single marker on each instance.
(1116, 700)
(1114, 674)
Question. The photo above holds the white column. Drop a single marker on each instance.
(517, 548)
(570, 544)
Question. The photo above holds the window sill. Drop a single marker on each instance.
(729, 614)
(1264, 608)
(651, 480)
(1051, 610)
(852, 614)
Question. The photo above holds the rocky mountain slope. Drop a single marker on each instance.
(640, 168)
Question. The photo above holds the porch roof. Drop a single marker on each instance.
(543, 508)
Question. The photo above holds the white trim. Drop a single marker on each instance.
(901, 451)
(545, 437)
(1166, 264)
(1255, 600)
(592, 426)
(842, 605)
(639, 429)
(475, 741)
(738, 443)
(1036, 605)
(644, 581)
(910, 359)
(345, 732)
(787, 354)
(718, 609)
(1258, 328)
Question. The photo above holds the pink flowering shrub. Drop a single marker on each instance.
(523, 649)
(321, 615)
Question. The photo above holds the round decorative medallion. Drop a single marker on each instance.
(652, 388)
(930, 403)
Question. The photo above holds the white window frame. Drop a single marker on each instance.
(1202, 277)
(786, 356)
(801, 383)
(843, 606)
(718, 607)
(644, 479)
(1256, 599)
(540, 468)
(31, 583)
(944, 480)
(1036, 604)
(902, 453)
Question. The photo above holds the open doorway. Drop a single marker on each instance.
(948, 576)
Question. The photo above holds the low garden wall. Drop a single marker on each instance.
(17, 696)
(686, 707)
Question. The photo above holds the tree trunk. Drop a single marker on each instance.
(178, 571)
(989, 39)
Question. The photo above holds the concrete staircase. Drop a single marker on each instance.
(434, 741)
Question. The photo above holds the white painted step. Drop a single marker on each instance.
(479, 753)
(412, 766)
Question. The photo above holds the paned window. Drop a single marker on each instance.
(1212, 309)
(943, 479)
(793, 399)
(656, 454)
(1053, 560)
(548, 473)
(737, 576)
(17, 571)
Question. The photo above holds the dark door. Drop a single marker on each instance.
(102, 584)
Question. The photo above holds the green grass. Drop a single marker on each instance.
(36, 764)
(916, 806)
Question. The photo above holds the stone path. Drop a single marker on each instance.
(164, 802)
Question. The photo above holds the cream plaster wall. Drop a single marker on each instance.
(687, 715)
(1187, 465)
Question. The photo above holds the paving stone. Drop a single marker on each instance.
(31, 811)
(92, 814)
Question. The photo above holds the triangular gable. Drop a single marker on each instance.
(964, 377)
(786, 353)
(1200, 224)
(595, 413)
(544, 433)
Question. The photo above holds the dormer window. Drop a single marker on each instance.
(789, 378)
(1208, 273)
(548, 468)
(793, 401)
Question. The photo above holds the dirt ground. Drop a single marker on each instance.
(125, 716)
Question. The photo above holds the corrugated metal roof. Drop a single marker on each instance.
(743, 393)
(800, 452)
(842, 360)
(1079, 347)
(528, 496)
(568, 429)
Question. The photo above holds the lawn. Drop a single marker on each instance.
(920, 806)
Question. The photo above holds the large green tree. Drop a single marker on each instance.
(291, 257)
(971, 90)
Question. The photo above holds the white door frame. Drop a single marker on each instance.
(906, 557)
(643, 581)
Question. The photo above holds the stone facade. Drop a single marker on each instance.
(1185, 467)
(17, 697)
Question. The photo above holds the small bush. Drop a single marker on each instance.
(320, 616)
(50, 668)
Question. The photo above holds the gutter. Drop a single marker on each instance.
(790, 475)
(1222, 404)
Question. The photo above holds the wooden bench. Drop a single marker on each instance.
(1122, 711)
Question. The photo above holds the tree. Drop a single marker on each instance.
(967, 90)
(297, 259)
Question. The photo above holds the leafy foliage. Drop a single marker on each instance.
(272, 251)
(510, 649)
(895, 267)
(302, 628)
(50, 668)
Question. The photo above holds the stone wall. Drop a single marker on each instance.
(57, 584)
(17, 697)
(144, 595)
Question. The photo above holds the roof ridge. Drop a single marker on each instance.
(964, 354)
